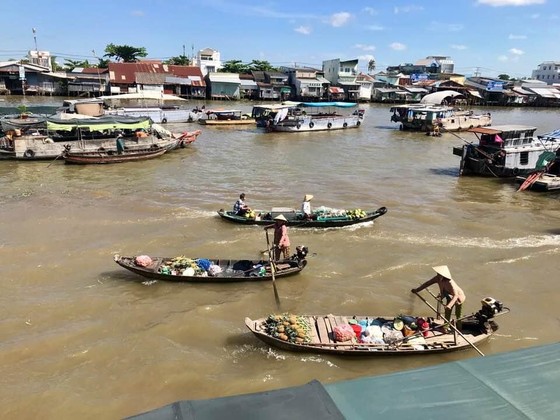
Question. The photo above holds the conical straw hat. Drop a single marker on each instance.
(443, 271)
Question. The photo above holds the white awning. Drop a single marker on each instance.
(474, 93)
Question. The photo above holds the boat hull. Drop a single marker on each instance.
(294, 219)
(316, 124)
(106, 157)
(545, 183)
(322, 338)
(232, 270)
(221, 123)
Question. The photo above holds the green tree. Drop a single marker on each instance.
(234, 66)
(54, 65)
(181, 60)
(503, 76)
(70, 65)
(261, 65)
(124, 53)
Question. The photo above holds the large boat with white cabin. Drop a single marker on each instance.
(160, 108)
(436, 118)
(294, 117)
(506, 151)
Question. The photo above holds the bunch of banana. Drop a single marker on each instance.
(356, 213)
(250, 214)
(183, 262)
(288, 327)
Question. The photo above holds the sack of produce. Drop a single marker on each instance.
(143, 261)
(343, 333)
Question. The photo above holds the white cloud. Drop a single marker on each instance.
(503, 58)
(516, 51)
(408, 9)
(500, 3)
(370, 11)
(375, 28)
(397, 46)
(365, 47)
(459, 47)
(445, 27)
(366, 57)
(512, 36)
(339, 19)
(305, 30)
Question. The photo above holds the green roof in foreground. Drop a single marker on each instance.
(522, 384)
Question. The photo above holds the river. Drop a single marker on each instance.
(84, 338)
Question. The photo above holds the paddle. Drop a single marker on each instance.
(446, 320)
(55, 159)
(272, 270)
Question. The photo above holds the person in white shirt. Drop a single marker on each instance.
(306, 207)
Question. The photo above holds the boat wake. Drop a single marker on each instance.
(533, 241)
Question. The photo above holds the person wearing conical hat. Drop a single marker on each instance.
(307, 214)
(448, 289)
(281, 239)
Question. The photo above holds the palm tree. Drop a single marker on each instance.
(371, 65)
(125, 53)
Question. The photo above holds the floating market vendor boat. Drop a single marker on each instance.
(48, 139)
(293, 117)
(199, 270)
(506, 151)
(323, 217)
(110, 156)
(376, 335)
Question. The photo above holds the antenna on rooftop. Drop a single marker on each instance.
(35, 38)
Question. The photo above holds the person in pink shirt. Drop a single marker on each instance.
(281, 239)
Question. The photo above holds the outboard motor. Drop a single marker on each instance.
(490, 308)
(301, 253)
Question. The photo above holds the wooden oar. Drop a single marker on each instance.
(55, 159)
(446, 320)
(530, 180)
(272, 271)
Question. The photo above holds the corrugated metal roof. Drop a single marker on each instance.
(522, 384)
(546, 93)
(248, 84)
(150, 78)
(224, 78)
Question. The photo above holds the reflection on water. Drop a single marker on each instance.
(74, 318)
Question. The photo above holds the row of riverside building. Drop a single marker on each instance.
(337, 80)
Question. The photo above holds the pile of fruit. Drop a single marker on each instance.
(179, 264)
(287, 327)
(356, 213)
(250, 214)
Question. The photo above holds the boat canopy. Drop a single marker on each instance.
(145, 94)
(499, 129)
(438, 97)
(521, 384)
(109, 122)
(321, 104)
(552, 135)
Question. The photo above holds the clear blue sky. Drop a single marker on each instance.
(495, 36)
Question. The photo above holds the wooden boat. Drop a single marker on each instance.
(375, 335)
(110, 156)
(323, 217)
(226, 117)
(506, 151)
(50, 137)
(296, 117)
(219, 270)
